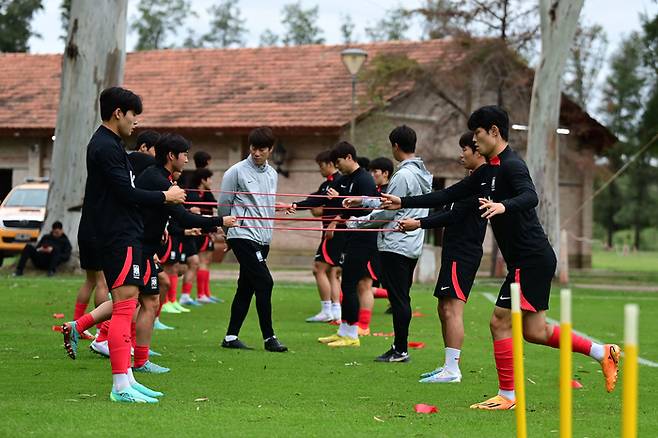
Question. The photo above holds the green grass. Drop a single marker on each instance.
(311, 391)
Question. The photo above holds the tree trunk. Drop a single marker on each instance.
(559, 19)
(94, 59)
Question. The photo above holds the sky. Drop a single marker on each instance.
(618, 17)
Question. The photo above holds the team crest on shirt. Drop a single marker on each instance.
(154, 282)
(136, 272)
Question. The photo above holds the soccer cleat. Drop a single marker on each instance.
(328, 339)
(145, 391)
(273, 344)
(131, 395)
(87, 336)
(235, 344)
(187, 300)
(344, 341)
(100, 348)
(320, 317)
(444, 376)
(158, 325)
(215, 299)
(364, 331)
(71, 337)
(205, 300)
(495, 403)
(610, 365)
(393, 356)
(154, 353)
(176, 305)
(431, 373)
(151, 368)
(169, 308)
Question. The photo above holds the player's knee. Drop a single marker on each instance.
(498, 323)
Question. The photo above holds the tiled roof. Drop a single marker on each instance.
(284, 87)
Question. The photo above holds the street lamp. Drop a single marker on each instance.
(353, 60)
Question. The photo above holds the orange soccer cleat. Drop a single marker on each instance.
(495, 403)
(610, 365)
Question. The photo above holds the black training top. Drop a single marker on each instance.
(357, 183)
(62, 244)
(140, 161)
(110, 210)
(328, 213)
(505, 179)
(155, 218)
(464, 232)
(201, 196)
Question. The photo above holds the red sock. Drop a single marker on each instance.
(173, 288)
(364, 318)
(340, 297)
(207, 288)
(119, 335)
(85, 322)
(504, 363)
(202, 277)
(133, 334)
(578, 343)
(102, 331)
(187, 288)
(141, 355)
(381, 293)
(79, 310)
(157, 314)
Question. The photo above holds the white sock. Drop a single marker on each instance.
(343, 329)
(452, 359)
(326, 307)
(508, 394)
(336, 311)
(597, 352)
(229, 338)
(131, 378)
(186, 295)
(120, 382)
(352, 331)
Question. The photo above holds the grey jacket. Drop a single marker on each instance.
(246, 176)
(410, 179)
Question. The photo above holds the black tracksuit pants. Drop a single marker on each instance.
(40, 260)
(254, 279)
(397, 276)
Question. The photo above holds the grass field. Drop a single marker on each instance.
(312, 390)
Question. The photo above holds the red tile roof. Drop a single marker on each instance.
(284, 87)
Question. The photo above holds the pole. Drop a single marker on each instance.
(630, 375)
(517, 351)
(565, 364)
(353, 118)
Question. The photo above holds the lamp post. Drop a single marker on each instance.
(353, 60)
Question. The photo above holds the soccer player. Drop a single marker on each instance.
(201, 161)
(359, 249)
(143, 154)
(250, 241)
(110, 211)
(329, 255)
(398, 252)
(460, 259)
(510, 208)
(171, 156)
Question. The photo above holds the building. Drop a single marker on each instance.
(215, 96)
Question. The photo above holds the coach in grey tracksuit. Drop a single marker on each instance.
(255, 183)
(399, 252)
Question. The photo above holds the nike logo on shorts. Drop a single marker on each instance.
(505, 298)
(445, 287)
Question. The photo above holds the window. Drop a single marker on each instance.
(27, 198)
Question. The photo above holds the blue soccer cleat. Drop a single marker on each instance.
(146, 391)
(131, 395)
(151, 368)
(71, 338)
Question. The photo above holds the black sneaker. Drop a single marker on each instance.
(51, 273)
(393, 356)
(389, 310)
(18, 273)
(273, 344)
(236, 344)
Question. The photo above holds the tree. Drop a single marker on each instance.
(347, 29)
(392, 27)
(584, 63)
(227, 28)
(300, 25)
(559, 19)
(157, 20)
(268, 39)
(15, 24)
(94, 59)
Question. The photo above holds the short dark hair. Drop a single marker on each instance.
(199, 175)
(405, 137)
(201, 159)
(363, 162)
(174, 143)
(148, 137)
(323, 157)
(57, 225)
(488, 116)
(382, 163)
(117, 97)
(342, 150)
(262, 137)
(466, 141)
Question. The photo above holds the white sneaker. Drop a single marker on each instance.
(444, 376)
(205, 300)
(320, 317)
(100, 348)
